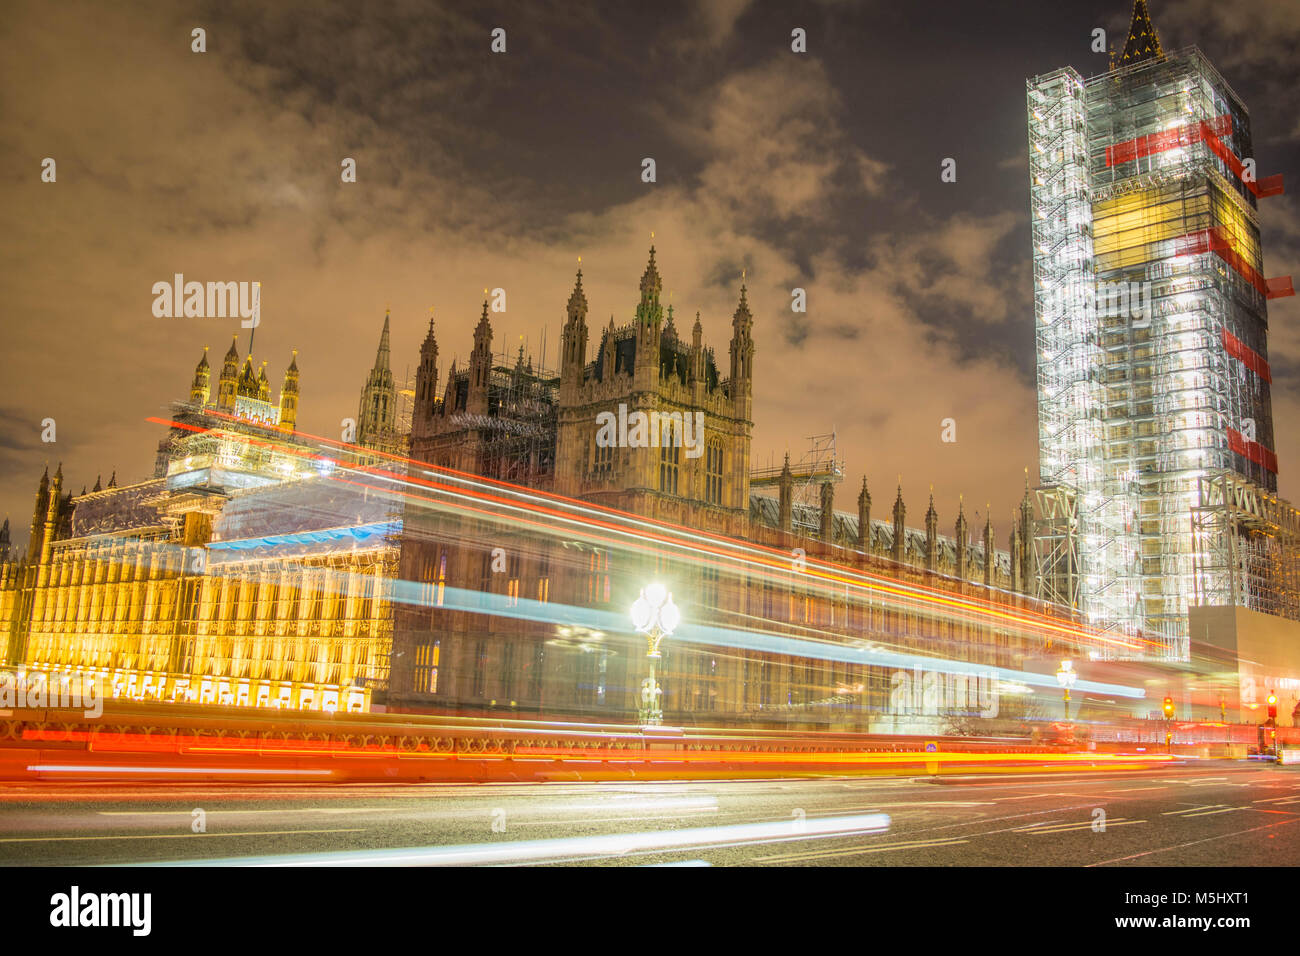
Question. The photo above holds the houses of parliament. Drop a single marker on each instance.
(259, 567)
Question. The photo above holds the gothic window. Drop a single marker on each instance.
(598, 582)
(713, 473)
(442, 578)
(669, 462)
(603, 464)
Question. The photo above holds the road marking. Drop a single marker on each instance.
(1202, 811)
(1179, 846)
(1077, 825)
(170, 836)
(855, 851)
(1135, 790)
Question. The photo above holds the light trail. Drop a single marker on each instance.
(525, 851)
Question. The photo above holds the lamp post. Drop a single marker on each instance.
(1065, 676)
(656, 616)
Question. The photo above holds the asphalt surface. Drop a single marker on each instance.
(1209, 813)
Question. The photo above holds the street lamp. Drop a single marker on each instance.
(1065, 676)
(656, 616)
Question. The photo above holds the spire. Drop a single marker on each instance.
(577, 298)
(232, 355)
(900, 530)
(651, 284)
(785, 502)
(381, 356)
(864, 517)
(112, 479)
(200, 387)
(98, 485)
(1143, 42)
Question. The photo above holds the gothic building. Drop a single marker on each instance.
(252, 570)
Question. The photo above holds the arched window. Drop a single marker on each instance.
(669, 462)
(713, 473)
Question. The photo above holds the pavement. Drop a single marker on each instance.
(1196, 813)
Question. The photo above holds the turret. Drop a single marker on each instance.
(931, 536)
(289, 396)
(199, 388)
(649, 327)
(988, 550)
(900, 530)
(960, 531)
(864, 518)
(263, 385)
(38, 517)
(1026, 554)
(480, 365)
(228, 381)
(742, 358)
(426, 384)
(785, 501)
(1015, 552)
(574, 347)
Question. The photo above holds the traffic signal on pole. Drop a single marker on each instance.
(1169, 708)
(1272, 706)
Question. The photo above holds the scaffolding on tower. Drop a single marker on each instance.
(820, 464)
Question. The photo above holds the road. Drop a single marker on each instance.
(1208, 813)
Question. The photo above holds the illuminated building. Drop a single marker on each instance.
(261, 566)
(1154, 407)
(237, 575)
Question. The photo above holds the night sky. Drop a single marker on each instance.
(489, 170)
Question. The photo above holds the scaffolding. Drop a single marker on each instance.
(1246, 547)
(517, 436)
(1150, 330)
(820, 464)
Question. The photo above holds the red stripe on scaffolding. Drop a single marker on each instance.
(1214, 240)
(1252, 450)
(1247, 356)
(1189, 134)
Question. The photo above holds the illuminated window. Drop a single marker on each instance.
(598, 579)
(442, 578)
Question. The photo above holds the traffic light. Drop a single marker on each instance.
(1169, 708)
(1272, 706)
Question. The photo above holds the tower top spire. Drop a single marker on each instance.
(651, 284)
(381, 355)
(1143, 41)
(578, 298)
